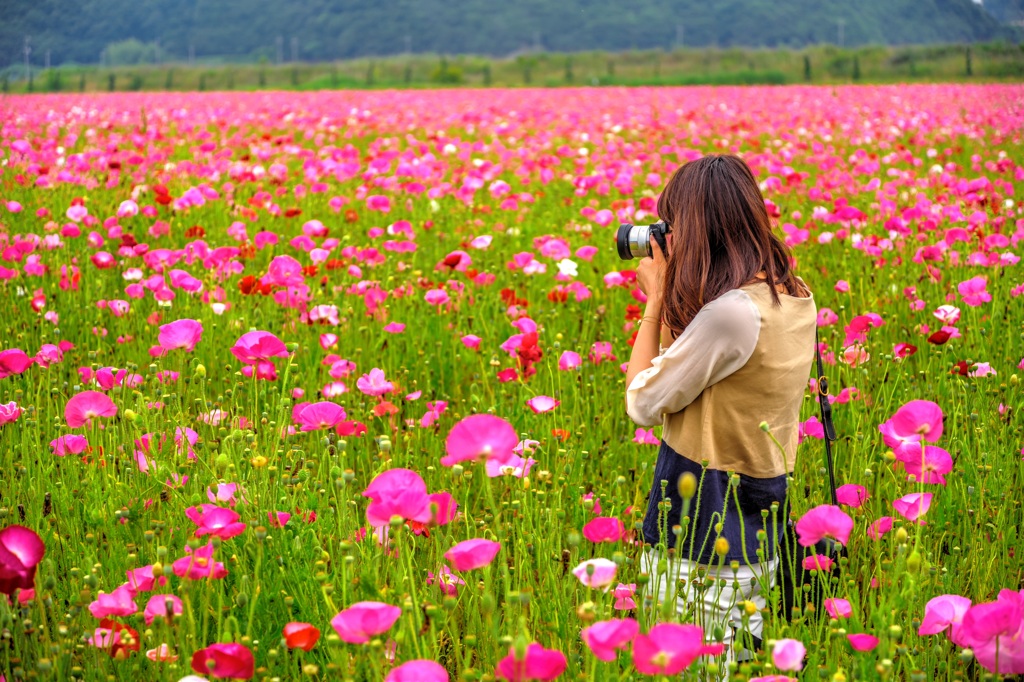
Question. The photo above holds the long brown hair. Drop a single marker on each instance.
(721, 238)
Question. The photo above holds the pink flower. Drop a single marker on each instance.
(995, 631)
(362, 621)
(981, 369)
(253, 347)
(447, 581)
(596, 572)
(842, 286)
(973, 291)
(601, 351)
(669, 649)
(604, 529)
(931, 468)
(224, 660)
(880, 527)
(278, 519)
(394, 328)
(913, 506)
(143, 580)
(83, 407)
(9, 413)
(569, 360)
(418, 671)
(436, 297)
(480, 435)
(947, 314)
(514, 466)
(646, 437)
(471, 341)
(862, 642)
(838, 608)
(812, 428)
(788, 654)
(542, 403)
(13, 361)
(397, 492)
(538, 663)
(852, 495)
(199, 564)
(319, 416)
(624, 597)
(945, 613)
(903, 350)
(215, 521)
(827, 317)
(471, 554)
(377, 202)
(224, 492)
(817, 562)
(156, 607)
(21, 550)
(117, 603)
(374, 383)
(180, 334)
(824, 521)
(607, 637)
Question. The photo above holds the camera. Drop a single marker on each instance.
(634, 241)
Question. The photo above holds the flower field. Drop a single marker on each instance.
(330, 385)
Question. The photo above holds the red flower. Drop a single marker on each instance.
(938, 338)
(301, 636)
(292, 212)
(126, 643)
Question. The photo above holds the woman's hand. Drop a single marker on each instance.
(650, 274)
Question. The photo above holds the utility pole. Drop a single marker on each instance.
(295, 48)
(28, 51)
(842, 25)
(280, 49)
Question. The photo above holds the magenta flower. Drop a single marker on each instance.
(607, 637)
(995, 631)
(880, 527)
(215, 521)
(157, 607)
(436, 297)
(670, 648)
(199, 564)
(931, 468)
(913, 506)
(233, 661)
(418, 671)
(838, 608)
(143, 580)
(9, 413)
(916, 421)
(470, 554)
(362, 621)
(817, 562)
(596, 572)
(120, 602)
(601, 351)
(471, 341)
(397, 492)
(973, 291)
(604, 529)
(319, 416)
(447, 581)
(542, 403)
(945, 613)
(284, 271)
(83, 407)
(537, 663)
(445, 508)
(646, 437)
(514, 466)
(13, 361)
(788, 654)
(480, 435)
(569, 360)
(225, 492)
(374, 383)
(253, 347)
(852, 495)
(862, 642)
(180, 334)
(824, 521)
(21, 550)
(624, 594)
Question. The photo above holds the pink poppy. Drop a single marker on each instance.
(812, 428)
(198, 564)
(233, 661)
(470, 554)
(569, 360)
(437, 297)
(542, 403)
(880, 527)
(21, 550)
(418, 671)
(471, 341)
(253, 347)
(157, 607)
(646, 437)
(973, 291)
(397, 492)
(913, 506)
(788, 654)
(180, 334)
(862, 642)
(624, 594)
(445, 508)
(9, 413)
(278, 519)
(480, 435)
(995, 631)
(601, 351)
(607, 637)
(852, 495)
(604, 529)
(596, 572)
(362, 621)
(215, 521)
(824, 521)
(319, 416)
(447, 581)
(669, 649)
(143, 580)
(117, 603)
(83, 407)
(537, 663)
(917, 420)
(945, 613)
(514, 466)
(928, 469)
(161, 654)
(838, 608)
(378, 202)
(817, 562)
(13, 361)
(903, 350)
(374, 383)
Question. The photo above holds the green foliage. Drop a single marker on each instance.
(130, 52)
(446, 74)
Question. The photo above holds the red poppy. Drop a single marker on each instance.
(292, 212)
(940, 337)
(560, 434)
(127, 642)
(351, 216)
(960, 368)
(195, 231)
(301, 636)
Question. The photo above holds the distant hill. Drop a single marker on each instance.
(80, 30)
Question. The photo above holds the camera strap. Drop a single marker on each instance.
(826, 418)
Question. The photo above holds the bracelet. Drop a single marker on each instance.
(653, 319)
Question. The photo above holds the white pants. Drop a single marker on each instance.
(712, 601)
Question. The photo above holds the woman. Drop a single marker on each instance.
(739, 328)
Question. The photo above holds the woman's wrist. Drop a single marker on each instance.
(653, 308)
